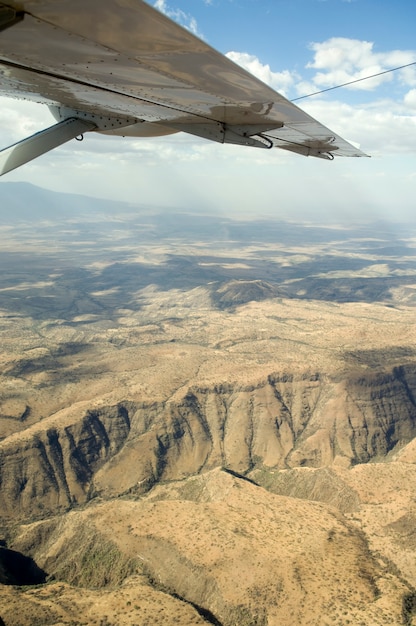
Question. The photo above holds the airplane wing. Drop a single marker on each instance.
(122, 67)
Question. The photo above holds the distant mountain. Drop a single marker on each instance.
(27, 202)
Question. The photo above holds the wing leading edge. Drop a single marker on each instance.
(121, 67)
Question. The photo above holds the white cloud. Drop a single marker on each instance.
(382, 128)
(184, 19)
(410, 99)
(20, 119)
(280, 81)
(340, 60)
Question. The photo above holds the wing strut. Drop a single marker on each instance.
(9, 17)
(41, 142)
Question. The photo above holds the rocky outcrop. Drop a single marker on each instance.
(285, 421)
(53, 468)
(236, 292)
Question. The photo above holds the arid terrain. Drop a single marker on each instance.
(204, 419)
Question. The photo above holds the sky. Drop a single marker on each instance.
(298, 47)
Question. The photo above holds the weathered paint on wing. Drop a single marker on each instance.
(122, 60)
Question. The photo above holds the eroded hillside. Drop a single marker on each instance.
(284, 421)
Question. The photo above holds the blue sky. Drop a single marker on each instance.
(297, 46)
(279, 32)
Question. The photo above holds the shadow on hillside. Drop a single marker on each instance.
(88, 268)
(17, 569)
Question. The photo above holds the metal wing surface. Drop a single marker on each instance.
(122, 67)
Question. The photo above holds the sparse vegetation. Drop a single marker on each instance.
(93, 562)
(409, 608)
